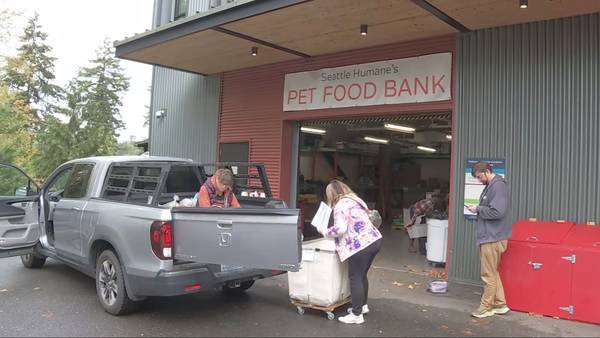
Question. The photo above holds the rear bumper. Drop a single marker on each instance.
(171, 283)
(190, 279)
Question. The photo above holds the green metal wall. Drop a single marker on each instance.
(189, 129)
(530, 94)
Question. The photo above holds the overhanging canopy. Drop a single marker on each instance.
(221, 40)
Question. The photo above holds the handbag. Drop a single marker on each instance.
(374, 215)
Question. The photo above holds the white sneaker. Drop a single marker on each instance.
(352, 319)
(365, 309)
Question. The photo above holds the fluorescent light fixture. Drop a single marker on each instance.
(364, 30)
(427, 149)
(397, 127)
(448, 137)
(376, 140)
(312, 130)
(523, 4)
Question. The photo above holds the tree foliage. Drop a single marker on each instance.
(88, 124)
(43, 125)
(31, 72)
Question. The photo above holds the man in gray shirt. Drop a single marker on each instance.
(493, 230)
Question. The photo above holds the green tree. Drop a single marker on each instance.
(128, 148)
(15, 138)
(31, 72)
(15, 115)
(95, 97)
(88, 125)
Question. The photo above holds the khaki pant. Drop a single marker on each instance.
(493, 292)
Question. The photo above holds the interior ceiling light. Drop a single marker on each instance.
(427, 149)
(523, 4)
(448, 137)
(254, 51)
(396, 127)
(376, 140)
(312, 130)
(364, 30)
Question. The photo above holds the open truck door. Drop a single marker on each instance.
(19, 222)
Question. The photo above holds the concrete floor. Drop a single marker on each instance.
(394, 254)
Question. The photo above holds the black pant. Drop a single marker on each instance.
(358, 266)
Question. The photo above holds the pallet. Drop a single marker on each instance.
(300, 306)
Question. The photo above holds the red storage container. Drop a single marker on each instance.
(535, 277)
(585, 241)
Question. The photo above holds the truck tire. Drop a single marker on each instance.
(110, 285)
(228, 290)
(33, 261)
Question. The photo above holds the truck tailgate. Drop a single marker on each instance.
(252, 238)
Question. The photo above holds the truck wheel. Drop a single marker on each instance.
(110, 285)
(33, 261)
(232, 290)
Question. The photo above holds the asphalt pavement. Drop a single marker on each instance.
(59, 301)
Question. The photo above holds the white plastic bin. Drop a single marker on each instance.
(437, 240)
(322, 279)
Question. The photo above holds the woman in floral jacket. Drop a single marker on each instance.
(356, 240)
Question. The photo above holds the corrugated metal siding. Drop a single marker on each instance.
(198, 6)
(530, 94)
(190, 128)
(252, 108)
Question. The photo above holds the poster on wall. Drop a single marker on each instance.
(474, 188)
(424, 78)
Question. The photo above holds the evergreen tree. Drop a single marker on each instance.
(31, 72)
(92, 115)
(16, 138)
(95, 97)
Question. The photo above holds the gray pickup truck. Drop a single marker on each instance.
(110, 218)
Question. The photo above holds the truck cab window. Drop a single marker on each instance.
(77, 186)
(183, 179)
(55, 190)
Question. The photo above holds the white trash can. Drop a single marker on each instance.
(437, 240)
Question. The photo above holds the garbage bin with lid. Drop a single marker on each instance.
(437, 239)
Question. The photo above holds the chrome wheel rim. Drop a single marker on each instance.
(108, 283)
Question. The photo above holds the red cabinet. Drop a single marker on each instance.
(535, 276)
(553, 269)
(585, 241)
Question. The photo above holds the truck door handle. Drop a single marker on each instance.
(225, 224)
(597, 245)
(532, 238)
(75, 209)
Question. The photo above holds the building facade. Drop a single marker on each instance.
(525, 92)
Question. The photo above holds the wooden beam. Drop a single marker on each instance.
(260, 42)
(441, 15)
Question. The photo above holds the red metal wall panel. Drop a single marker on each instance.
(252, 103)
